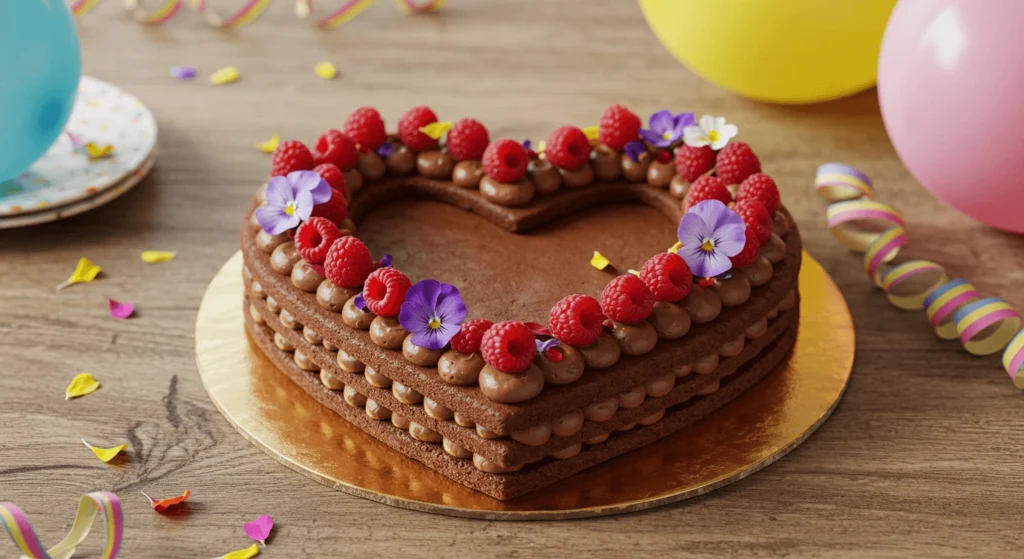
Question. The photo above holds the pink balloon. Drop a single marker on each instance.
(951, 88)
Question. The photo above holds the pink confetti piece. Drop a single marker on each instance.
(259, 529)
(183, 72)
(119, 309)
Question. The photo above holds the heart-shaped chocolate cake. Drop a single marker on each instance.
(510, 314)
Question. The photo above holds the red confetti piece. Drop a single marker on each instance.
(160, 505)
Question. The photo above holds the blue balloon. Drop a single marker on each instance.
(40, 66)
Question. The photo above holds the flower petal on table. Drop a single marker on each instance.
(82, 384)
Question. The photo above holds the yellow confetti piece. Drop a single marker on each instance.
(85, 271)
(634, 272)
(157, 256)
(251, 551)
(96, 151)
(225, 76)
(592, 133)
(675, 247)
(105, 454)
(436, 129)
(326, 70)
(270, 145)
(82, 384)
(599, 261)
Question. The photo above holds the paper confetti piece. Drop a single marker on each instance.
(91, 505)
(259, 529)
(82, 384)
(160, 505)
(247, 553)
(85, 271)
(119, 309)
(592, 133)
(270, 145)
(105, 454)
(157, 256)
(97, 151)
(225, 76)
(599, 261)
(436, 129)
(326, 70)
(183, 72)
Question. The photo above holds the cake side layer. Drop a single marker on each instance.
(507, 486)
(507, 452)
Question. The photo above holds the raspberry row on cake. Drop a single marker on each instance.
(509, 397)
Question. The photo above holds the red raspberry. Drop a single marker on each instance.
(627, 300)
(576, 320)
(467, 139)
(365, 127)
(756, 217)
(707, 188)
(693, 162)
(748, 255)
(668, 276)
(763, 188)
(384, 291)
(334, 147)
(468, 339)
(618, 127)
(332, 176)
(568, 148)
(509, 346)
(314, 238)
(736, 162)
(290, 155)
(409, 128)
(348, 262)
(335, 209)
(506, 161)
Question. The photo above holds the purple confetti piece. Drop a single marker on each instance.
(543, 346)
(385, 261)
(386, 149)
(183, 72)
(119, 309)
(527, 145)
(259, 529)
(360, 302)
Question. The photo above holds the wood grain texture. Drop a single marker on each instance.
(922, 458)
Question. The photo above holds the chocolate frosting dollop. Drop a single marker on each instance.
(256, 316)
(706, 364)
(376, 378)
(732, 348)
(437, 411)
(635, 339)
(355, 317)
(305, 278)
(485, 465)
(421, 433)
(332, 297)
(349, 363)
(387, 332)
(330, 381)
(659, 175)
(577, 178)
(371, 166)
(511, 388)
(401, 162)
(266, 242)
(507, 194)
(311, 336)
(635, 171)
(272, 305)
(468, 173)
(602, 410)
(353, 182)
(486, 433)
(354, 397)
(780, 224)
(329, 346)
(710, 388)
(597, 439)
(304, 362)
(377, 411)
(601, 354)
(757, 329)
(455, 450)
(288, 320)
(460, 369)
(435, 164)
(568, 425)
(670, 321)
(568, 370)
(733, 291)
(399, 421)
(405, 394)
(568, 452)
(533, 436)
(282, 343)
(651, 419)
(702, 305)
(758, 273)
(418, 355)
(257, 290)
(284, 258)
(774, 250)
(660, 386)
(607, 163)
(632, 398)
(545, 176)
(678, 186)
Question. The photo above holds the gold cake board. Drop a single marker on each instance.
(756, 429)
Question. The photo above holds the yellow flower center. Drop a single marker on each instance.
(290, 208)
(667, 135)
(708, 245)
(713, 136)
(434, 323)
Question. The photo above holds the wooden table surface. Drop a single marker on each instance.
(923, 456)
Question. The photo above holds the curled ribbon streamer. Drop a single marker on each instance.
(1013, 359)
(245, 15)
(940, 304)
(954, 308)
(912, 301)
(24, 535)
(82, 7)
(975, 317)
(340, 16)
(837, 182)
(153, 17)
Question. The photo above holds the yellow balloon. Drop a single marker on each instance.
(782, 51)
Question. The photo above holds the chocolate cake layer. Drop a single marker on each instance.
(595, 384)
(535, 476)
(508, 452)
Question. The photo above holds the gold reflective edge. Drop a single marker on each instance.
(748, 434)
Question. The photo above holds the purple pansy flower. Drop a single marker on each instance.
(635, 149)
(386, 150)
(543, 346)
(290, 200)
(710, 233)
(433, 312)
(666, 128)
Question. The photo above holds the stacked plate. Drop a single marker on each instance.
(66, 181)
